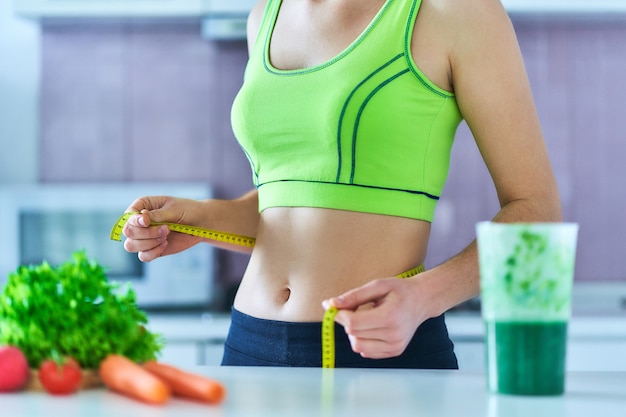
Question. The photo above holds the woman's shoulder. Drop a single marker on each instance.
(256, 14)
(462, 27)
(463, 15)
(254, 21)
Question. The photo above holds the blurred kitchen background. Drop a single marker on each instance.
(120, 93)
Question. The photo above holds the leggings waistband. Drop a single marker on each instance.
(260, 342)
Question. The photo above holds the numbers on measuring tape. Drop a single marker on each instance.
(328, 338)
(116, 232)
(328, 325)
(411, 272)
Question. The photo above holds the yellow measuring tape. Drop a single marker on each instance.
(328, 322)
(328, 325)
(116, 232)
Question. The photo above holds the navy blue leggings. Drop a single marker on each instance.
(258, 342)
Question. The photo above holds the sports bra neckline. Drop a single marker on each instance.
(351, 46)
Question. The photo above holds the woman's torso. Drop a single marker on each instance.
(305, 255)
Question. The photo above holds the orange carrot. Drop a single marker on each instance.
(186, 384)
(124, 376)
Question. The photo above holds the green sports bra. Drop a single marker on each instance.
(365, 131)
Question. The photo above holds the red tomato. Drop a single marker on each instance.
(14, 370)
(60, 378)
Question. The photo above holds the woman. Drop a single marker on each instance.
(347, 115)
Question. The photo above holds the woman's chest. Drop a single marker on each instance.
(309, 33)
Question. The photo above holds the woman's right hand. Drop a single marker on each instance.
(152, 241)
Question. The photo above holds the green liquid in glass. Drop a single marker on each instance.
(526, 358)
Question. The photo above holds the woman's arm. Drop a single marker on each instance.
(494, 96)
(239, 216)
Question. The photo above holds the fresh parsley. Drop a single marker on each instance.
(73, 310)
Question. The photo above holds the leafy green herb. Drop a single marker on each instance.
(73, 310)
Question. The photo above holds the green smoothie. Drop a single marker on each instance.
(529, 357)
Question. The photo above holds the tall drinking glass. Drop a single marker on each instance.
(526, 279)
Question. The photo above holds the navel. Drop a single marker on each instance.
(283, 295)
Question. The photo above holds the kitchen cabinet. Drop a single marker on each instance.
(191, 339)
(147, 9)
(193, 353)
(470, 353)
(595, 343)
(582, 355)
(596, 355)
(200, 8)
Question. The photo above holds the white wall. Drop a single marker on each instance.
(19, 92)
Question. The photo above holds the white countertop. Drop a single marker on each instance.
(303, 392)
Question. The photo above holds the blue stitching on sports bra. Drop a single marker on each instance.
(424, 193)
(412, 66)
(345, 106)
(360, 113)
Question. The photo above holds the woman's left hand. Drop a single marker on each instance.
(381, 316)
